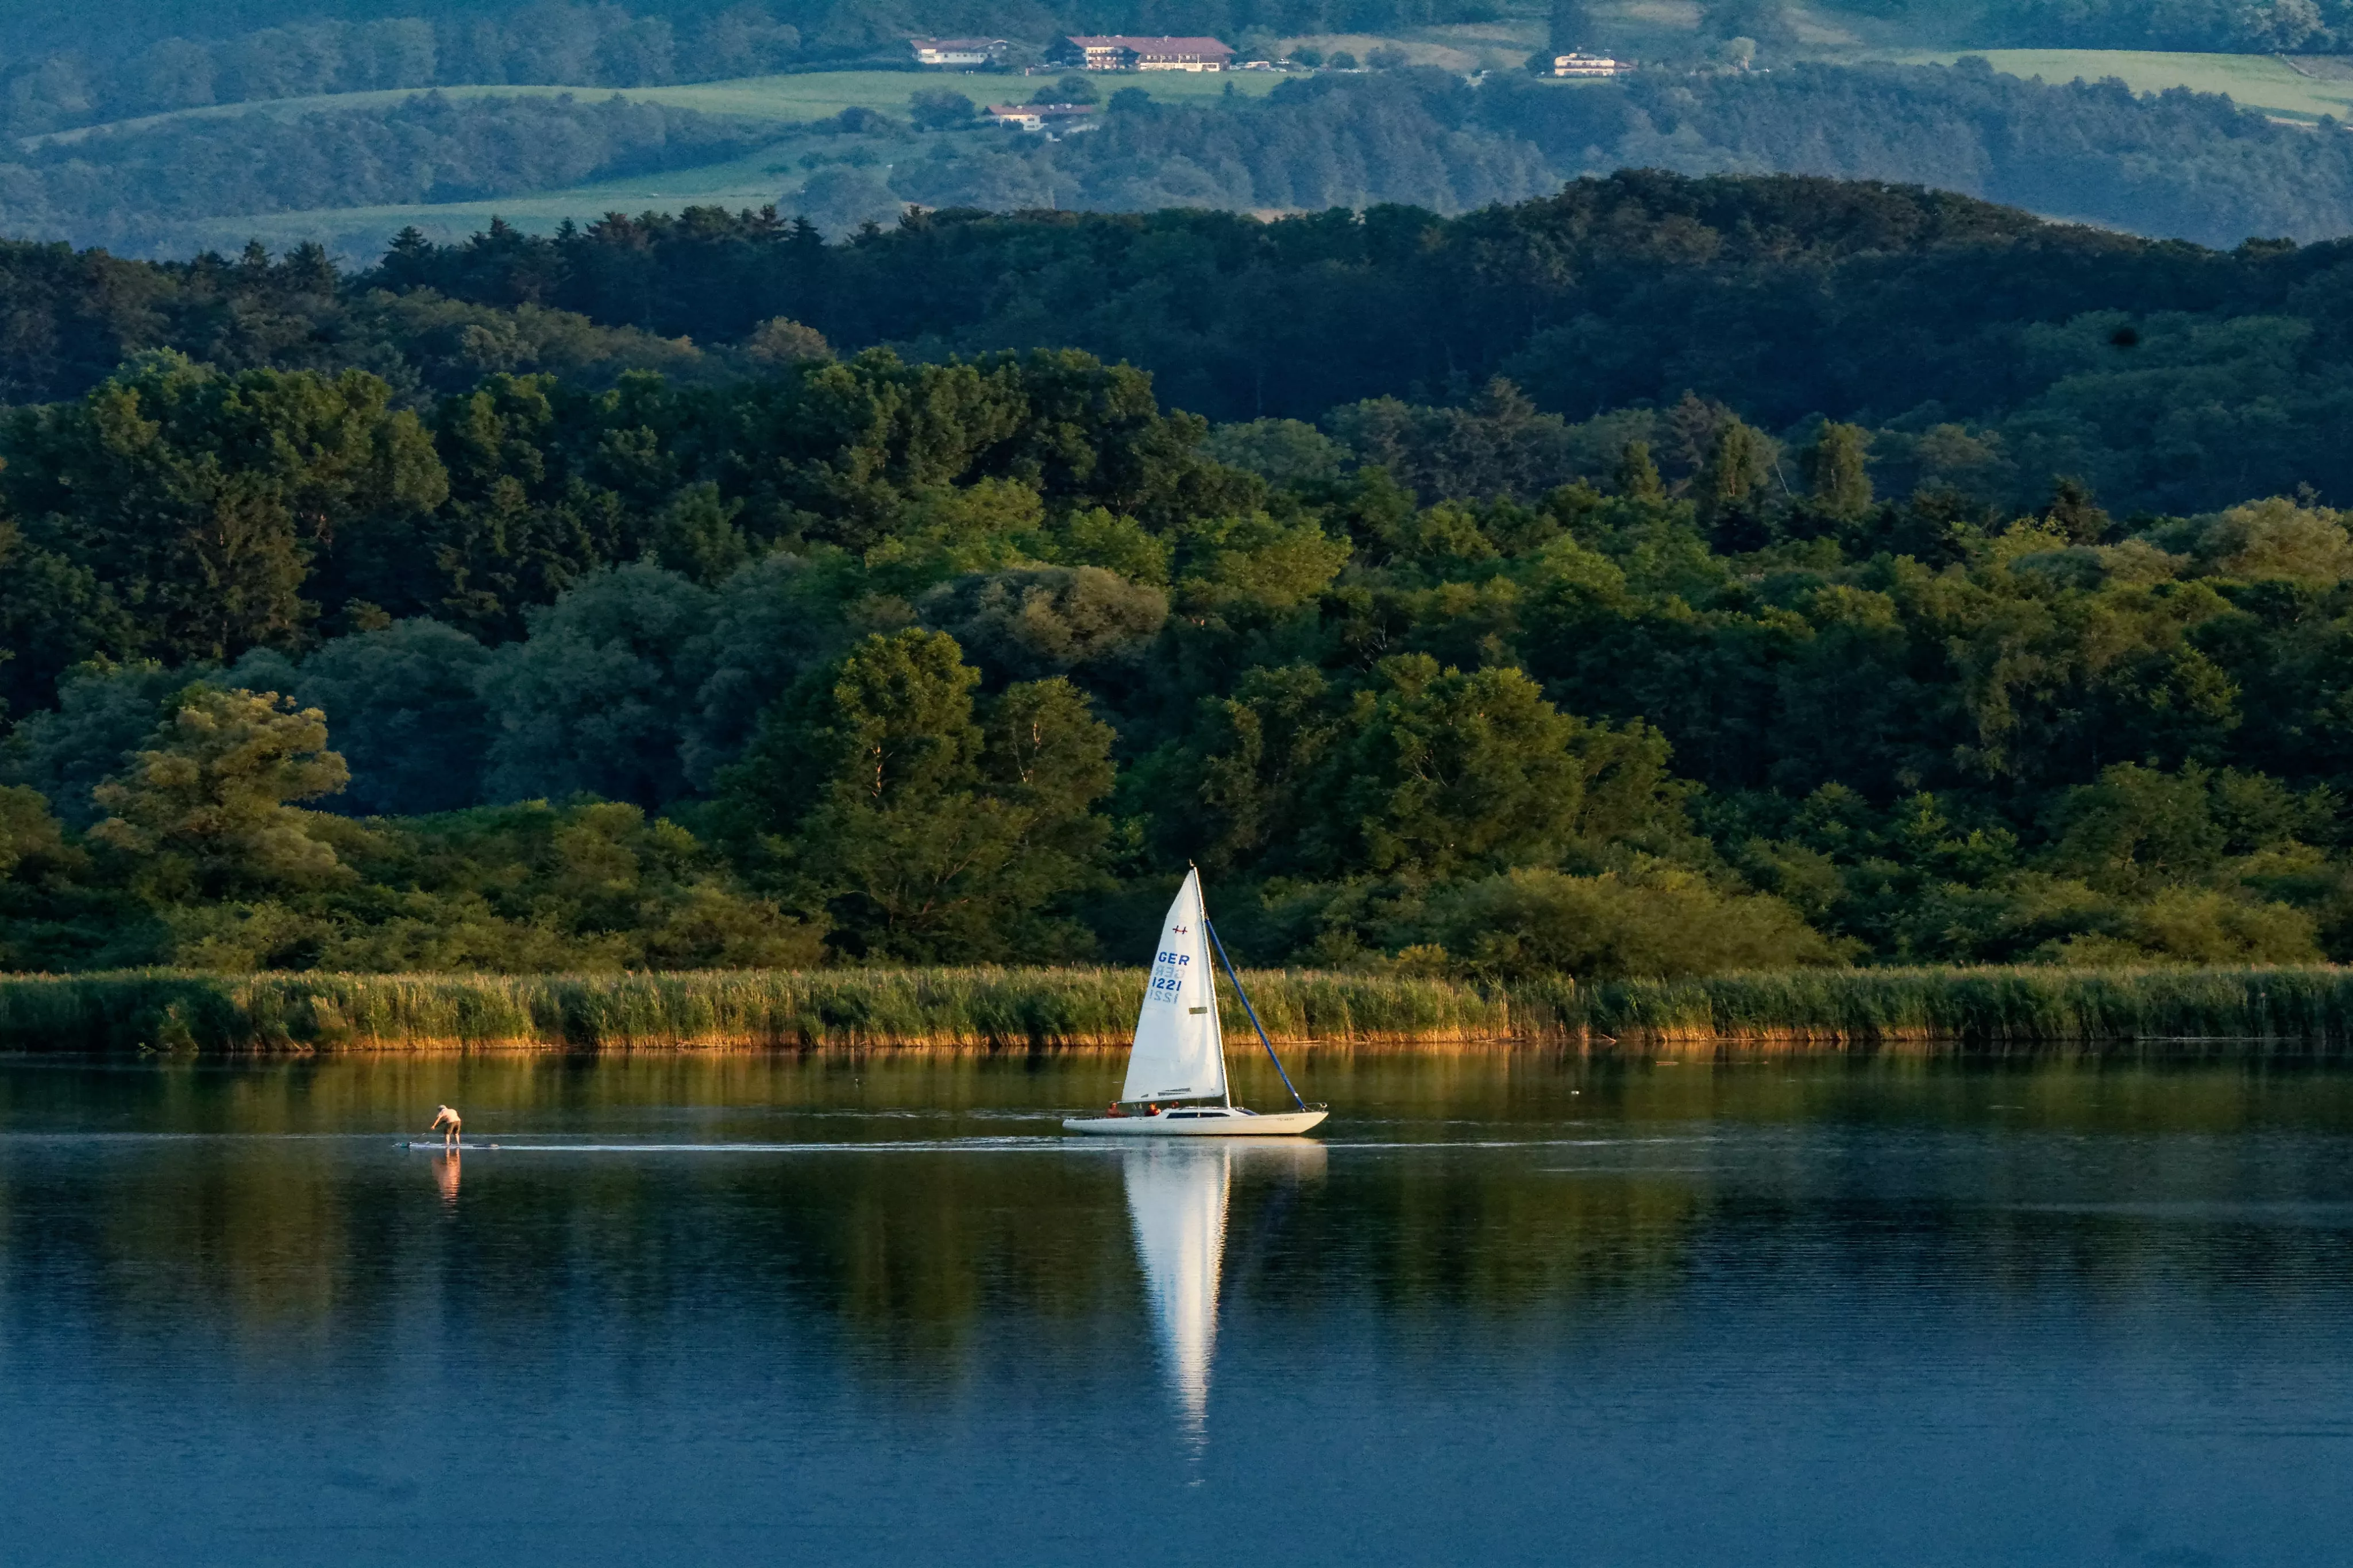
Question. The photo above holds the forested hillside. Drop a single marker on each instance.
(2179, 165)
(797, 659)
(1993, 349)
(1989, 351)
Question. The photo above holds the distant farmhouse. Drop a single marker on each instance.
(1053, 117)
(1124, 54)
(1589, 65)
(964, 52)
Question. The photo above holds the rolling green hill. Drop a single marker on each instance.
(790, 102)
(793, 99)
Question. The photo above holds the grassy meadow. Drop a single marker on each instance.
(2266, 82)
(2164, 1010)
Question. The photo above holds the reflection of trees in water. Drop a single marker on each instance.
(919, 1264)
(259, 1237)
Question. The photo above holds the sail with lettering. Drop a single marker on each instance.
(1180, 1053)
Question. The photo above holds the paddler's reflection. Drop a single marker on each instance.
(444, 1173)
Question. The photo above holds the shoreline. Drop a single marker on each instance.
(1981, 1012)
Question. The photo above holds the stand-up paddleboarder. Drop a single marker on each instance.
(447, 1118)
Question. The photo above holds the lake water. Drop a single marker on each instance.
(721, 1310)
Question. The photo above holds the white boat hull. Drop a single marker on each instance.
(1194, 1124)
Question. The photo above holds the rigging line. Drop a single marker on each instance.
(1210, 926)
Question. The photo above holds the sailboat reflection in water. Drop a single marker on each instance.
(1177, 1197)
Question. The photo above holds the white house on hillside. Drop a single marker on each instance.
(1062, 118)
(965, 52)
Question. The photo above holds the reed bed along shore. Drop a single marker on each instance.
(2304, 1011)
(1037, 1009)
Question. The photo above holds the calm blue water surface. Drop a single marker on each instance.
(1514, 1310)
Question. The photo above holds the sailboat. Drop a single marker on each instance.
(1176, 1068)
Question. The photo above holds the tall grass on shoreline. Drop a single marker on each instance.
(1035, 1009)
(1996, 1010)
(1981, 1010)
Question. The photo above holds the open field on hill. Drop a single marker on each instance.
(794, 98)
(754, 181)
(2293, 1011)
(1502, 45)
(2254, 82)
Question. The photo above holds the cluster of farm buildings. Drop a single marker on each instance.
(1124, 53)
(1085, 52)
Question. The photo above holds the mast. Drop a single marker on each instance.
(1201, 906)
(1219, 942)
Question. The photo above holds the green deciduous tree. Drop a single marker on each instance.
(940, 109)
(1448, 772)
(104, 712)
(929, 827)
(407, 709)
(54, 613)
(32, 840)
(1427, 773)
(1730, 487)
(1537, 921)
(203, 812)
(1838, 472)
(1044, 620)
(601, 697)
(1637, 478)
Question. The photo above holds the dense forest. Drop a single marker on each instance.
(794, 658)
(1987, 350)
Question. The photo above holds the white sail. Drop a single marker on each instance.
(1177, 1196)
(1179, 1052)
